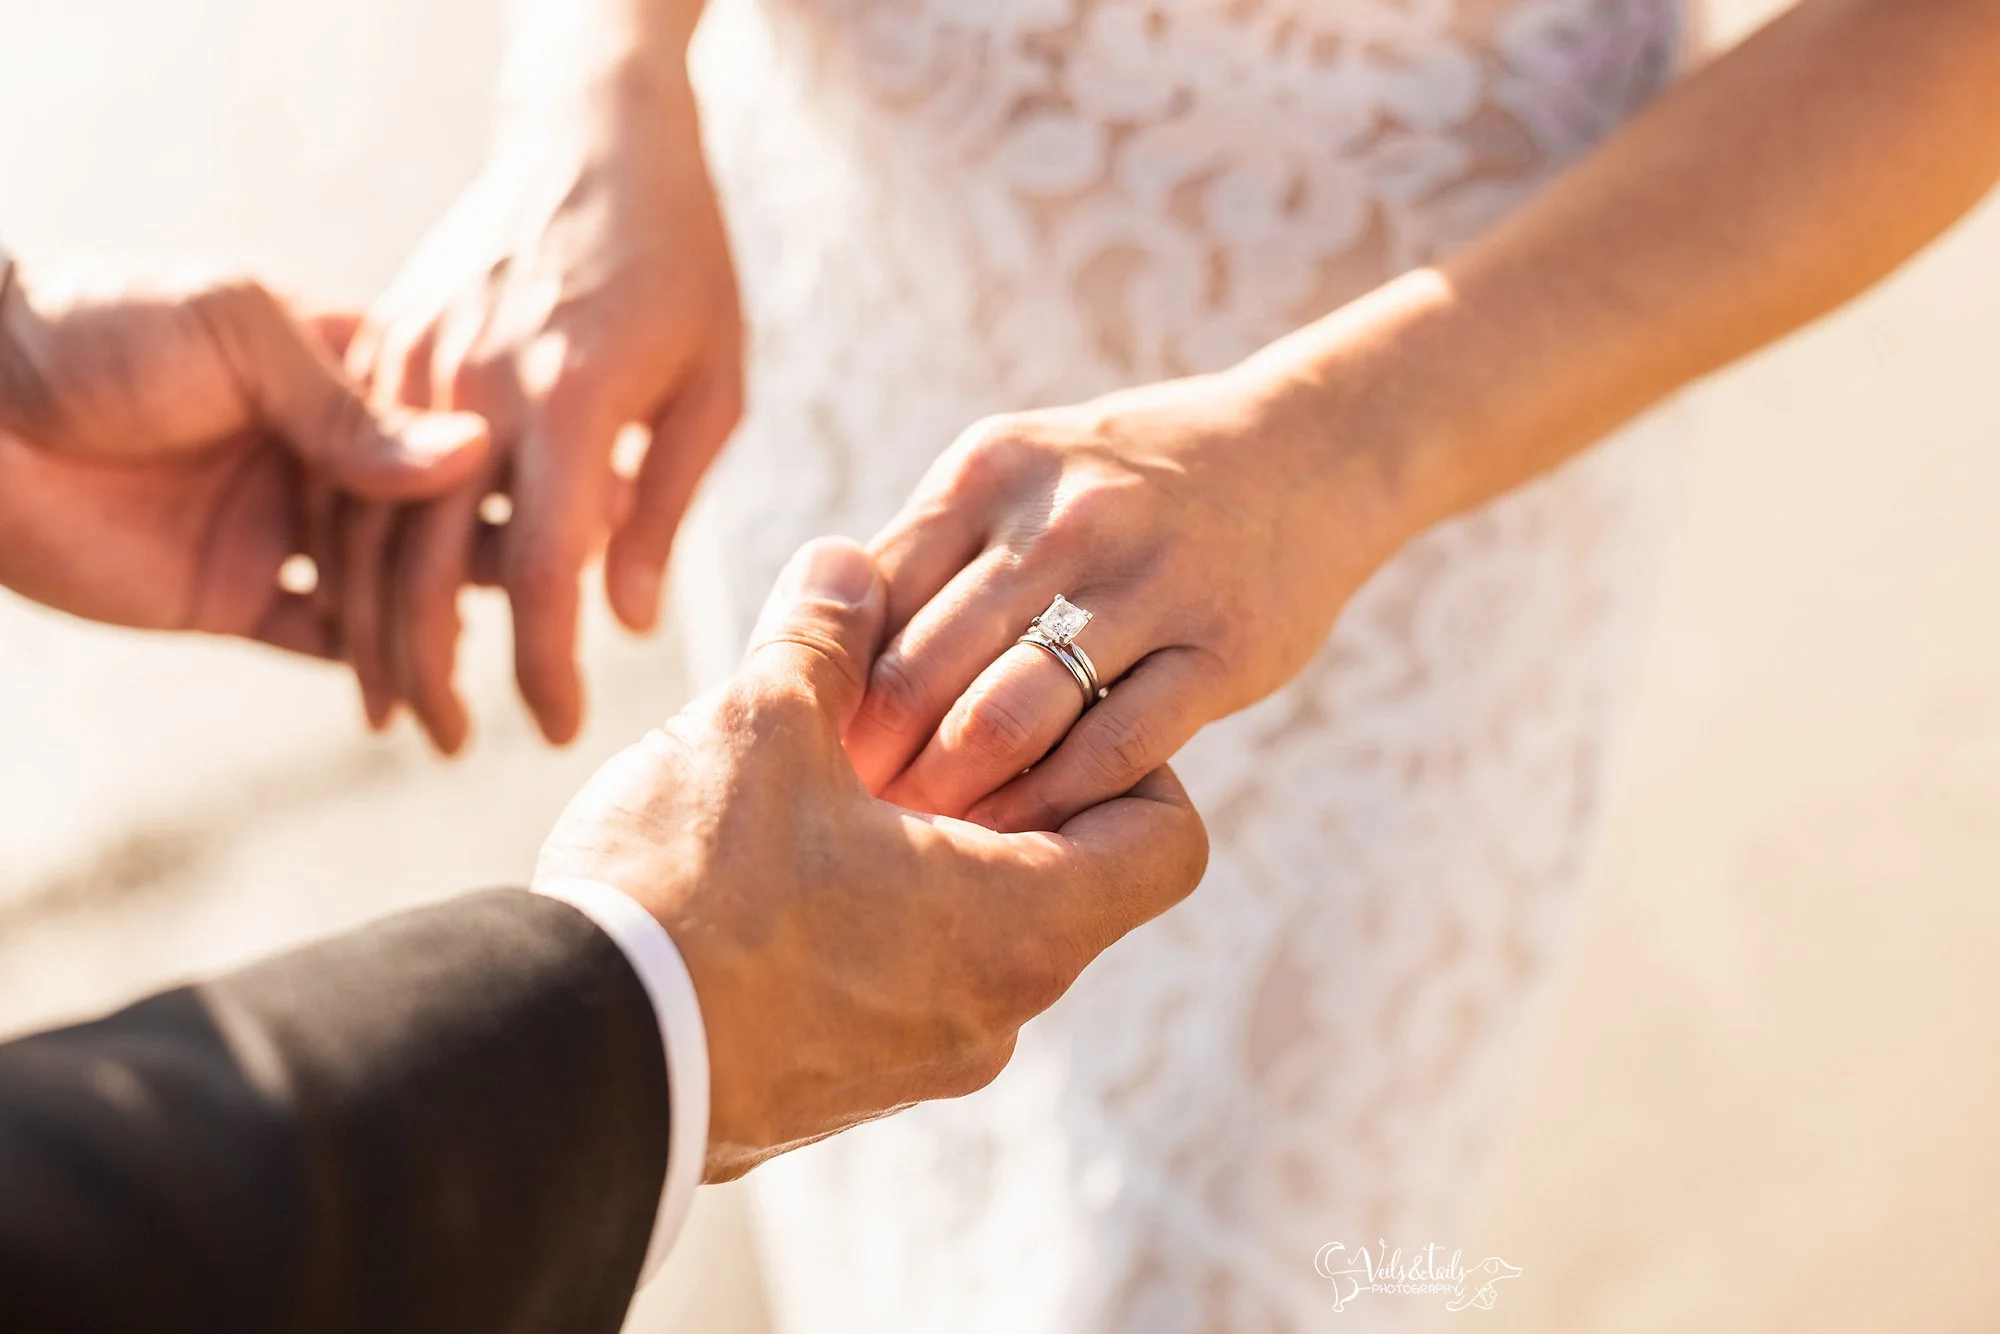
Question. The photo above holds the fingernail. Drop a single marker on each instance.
(429, 436)
(834, 570)
(379, 707)
(639, 593)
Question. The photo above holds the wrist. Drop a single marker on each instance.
(656, 960)
(625, 58)
(1362, 400)
(562, 130)
(708, 990)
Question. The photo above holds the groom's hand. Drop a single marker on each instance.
(153, 445)
(851, 957)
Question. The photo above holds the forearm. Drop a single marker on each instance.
(1761, 193)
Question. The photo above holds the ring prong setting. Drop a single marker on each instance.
(1054, 632)
(1063, 621)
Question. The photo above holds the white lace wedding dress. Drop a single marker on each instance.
(947, 208)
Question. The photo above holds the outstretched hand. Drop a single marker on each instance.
(851, 957)
(581, 287)
(1213, 537)
(152, 448)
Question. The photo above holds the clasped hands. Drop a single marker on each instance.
(582, 291)
(896, 835)
(194, 439)
(851, 956)
(201, 438)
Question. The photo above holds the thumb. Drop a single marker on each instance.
(297, 391)
(819, 631)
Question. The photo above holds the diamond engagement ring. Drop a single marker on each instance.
(1054, 632)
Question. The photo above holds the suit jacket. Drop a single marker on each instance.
(452, 1120)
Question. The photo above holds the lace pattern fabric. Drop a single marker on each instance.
(948, 208)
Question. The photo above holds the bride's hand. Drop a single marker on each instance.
(1210, 529)
(581, 285)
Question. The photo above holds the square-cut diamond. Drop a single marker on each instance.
(1064, 620)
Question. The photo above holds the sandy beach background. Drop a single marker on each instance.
(1763, 1095)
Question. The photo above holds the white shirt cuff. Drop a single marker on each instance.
(663, 973)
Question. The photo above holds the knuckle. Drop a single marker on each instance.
(1030, 807)
(895, 701)
(996, 432)
(1121, 748)
(824, 643)
(995, 726)
(539, 584)
(990, 450)
(237, 311)
(1116, 518)
(976, 1070)
(1214, 671)
(764, 714)
(671, 742)
(1085, 514)
(238, 294)
(1031, 979)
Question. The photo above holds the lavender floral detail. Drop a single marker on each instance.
(1577, 70)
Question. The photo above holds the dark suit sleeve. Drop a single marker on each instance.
(452, 1120)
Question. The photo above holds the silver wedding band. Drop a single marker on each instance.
(1054, 632)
